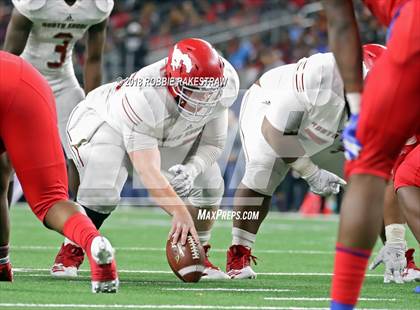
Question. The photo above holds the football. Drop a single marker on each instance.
(186, 261)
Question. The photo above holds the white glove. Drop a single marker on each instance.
(183, 180)
(393, 257)
(321, 182)
(324, 183)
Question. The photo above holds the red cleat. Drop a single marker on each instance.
(6, 273)
(411, 272)
(238, 264)
(67, 261)
(212, 272)
(103, 267)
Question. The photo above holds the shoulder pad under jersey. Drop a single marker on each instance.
(25, 7)
(230, 93)
(105, 6)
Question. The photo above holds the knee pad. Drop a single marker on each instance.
(209, 197)
(263, 179)
(208, 189)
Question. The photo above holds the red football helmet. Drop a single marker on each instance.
(197, 70)
(371, 53)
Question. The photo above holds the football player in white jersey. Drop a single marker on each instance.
(298, 110)
(44, 32)
(171, 133)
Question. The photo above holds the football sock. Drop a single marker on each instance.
(204, 236)
(349, 271)
(96, 217)
(243, 237)
(80, 229)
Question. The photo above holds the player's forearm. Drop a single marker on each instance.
(205, 156)
(161, 191)
(304, 166)
(147, 164)
(344, 41)
(92, 74)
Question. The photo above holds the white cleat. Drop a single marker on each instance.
(210, 273)
(411, 274)
(244, 273)
(60, 271)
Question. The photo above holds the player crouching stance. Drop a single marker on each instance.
(29, 134)
(172, 135)
(401, 206)
(406, 174)
(407, 186)
(290, 118)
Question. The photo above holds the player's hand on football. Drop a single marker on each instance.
(324, 183)
(183, 179)
(352, 145)
(182, 225)
(392, 255)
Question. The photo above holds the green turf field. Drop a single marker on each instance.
(294, 265)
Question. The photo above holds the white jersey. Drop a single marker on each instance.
(147, 116)
(307, 102)
(56, 28)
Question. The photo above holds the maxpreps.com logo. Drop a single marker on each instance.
(179, 59)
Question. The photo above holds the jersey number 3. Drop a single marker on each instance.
(61, 49)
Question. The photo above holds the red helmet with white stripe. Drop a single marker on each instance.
(197, 69)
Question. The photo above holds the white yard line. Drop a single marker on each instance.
(116, 306)
(151, 249)
(86, 270)
(323, 299)
(322, 274)
(102, 306)
(224, 289)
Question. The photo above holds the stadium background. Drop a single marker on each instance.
(254, 35)
(295, 254)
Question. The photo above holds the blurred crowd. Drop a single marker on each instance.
(140, 31)
(143, 27)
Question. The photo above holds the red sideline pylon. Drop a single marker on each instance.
(312, 205)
